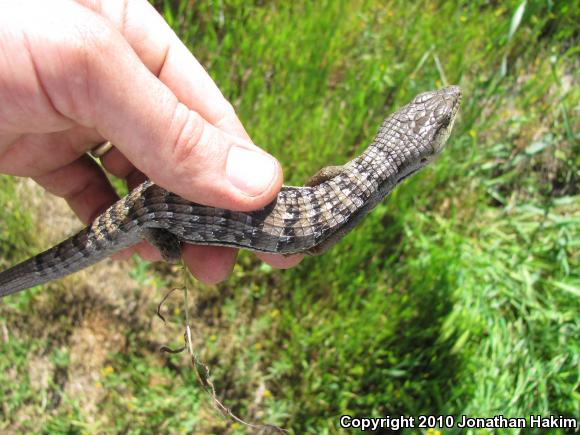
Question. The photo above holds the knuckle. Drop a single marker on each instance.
(88, 41)
(95, 37)
(191, 131)
(226, 113)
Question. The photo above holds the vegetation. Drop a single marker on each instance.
(458, 295)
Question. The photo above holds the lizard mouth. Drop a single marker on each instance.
(405, 176)
(452, 97)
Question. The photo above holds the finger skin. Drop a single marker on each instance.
(209, 264)
(280, 261)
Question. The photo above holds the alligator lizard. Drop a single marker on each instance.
(306, 219)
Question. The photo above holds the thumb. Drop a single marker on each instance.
(175, 146)
(182, 152)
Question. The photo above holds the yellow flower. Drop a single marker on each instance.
(107, 370)
(267, 394)
(472, 133)
(463, 18)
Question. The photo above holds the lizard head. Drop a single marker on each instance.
(431, 116)
(421, 128)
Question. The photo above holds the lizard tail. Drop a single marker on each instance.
(75, 253)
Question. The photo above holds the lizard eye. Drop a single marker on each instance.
(443, 129)
(444, 124)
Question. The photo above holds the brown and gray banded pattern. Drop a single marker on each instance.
(300, 220)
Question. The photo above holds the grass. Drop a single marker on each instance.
(458, 295)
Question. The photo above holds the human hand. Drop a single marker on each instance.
(73, 74)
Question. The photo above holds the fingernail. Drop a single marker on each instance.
(250, 171)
